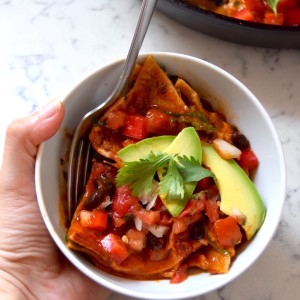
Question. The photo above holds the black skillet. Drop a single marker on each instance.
(230, 29)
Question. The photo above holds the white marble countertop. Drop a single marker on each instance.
(48, 46)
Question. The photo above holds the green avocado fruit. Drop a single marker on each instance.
(186, 143)
(141, 149)
(239, 195)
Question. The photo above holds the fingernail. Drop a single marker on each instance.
(50, 109)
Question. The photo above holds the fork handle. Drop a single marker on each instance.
(145, 16)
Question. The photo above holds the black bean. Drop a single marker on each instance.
(103, 187)
(106, 184)
(95, 199)
(154, 242)
(240, 141)
(197, 231)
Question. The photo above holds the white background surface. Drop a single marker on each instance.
(48, 46)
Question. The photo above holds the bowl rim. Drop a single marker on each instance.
(72, 257)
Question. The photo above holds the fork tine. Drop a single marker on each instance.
(84, 153)
(78, 173)
(88, 156)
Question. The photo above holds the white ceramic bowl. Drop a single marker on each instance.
(242, 109)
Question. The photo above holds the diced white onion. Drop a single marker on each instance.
(151, 203)
(84, 216)
(138, 223)
(158, 230)
(150, 198)
(226, 150)
(144, 199)
(107, 201)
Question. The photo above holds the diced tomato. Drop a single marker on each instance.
(180, 225)
(116, 119)
(212, 210)
(270, 18)
(149, 217)
(228, 232)
(135, 127)
(136, 239)
(98, 168)
(165, 218)
(292, 17)
(110, 172)
(123, 202)
(94, 219)
(244, 14)
(248, 159)
(114, 246)
(117, 220)
(180, 274)
(256, 6)
(157, 121)
(192, 207)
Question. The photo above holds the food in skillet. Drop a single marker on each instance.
(169, 188)
(275, 12)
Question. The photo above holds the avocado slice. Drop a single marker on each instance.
(136, 151)
(186, 143)
(238, 193)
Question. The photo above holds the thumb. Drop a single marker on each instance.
(22, 139)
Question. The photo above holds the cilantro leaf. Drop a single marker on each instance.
(191, 169)
(172, 183)
(273, 5)
(139, 174)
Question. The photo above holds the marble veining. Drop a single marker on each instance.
(47, 46)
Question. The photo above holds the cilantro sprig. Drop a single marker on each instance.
(191, 169)
(139, 174)
(172, 183)
(177, 170)
(273, 5)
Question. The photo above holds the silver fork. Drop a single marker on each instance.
(80, 151)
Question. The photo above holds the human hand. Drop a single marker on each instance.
(31, 267)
